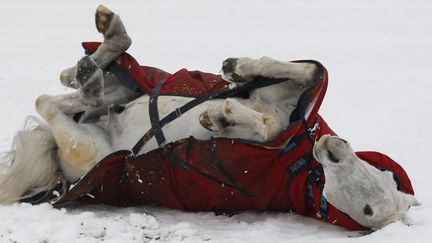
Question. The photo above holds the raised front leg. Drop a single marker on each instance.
(245, 69)
(235, 120)
(98, 89)
(116, 41)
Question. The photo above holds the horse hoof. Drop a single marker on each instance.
(111, 27)
(228, 66)
(228, 71)
(103, 19)
(204, 120)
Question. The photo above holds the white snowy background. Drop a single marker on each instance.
(378, 53)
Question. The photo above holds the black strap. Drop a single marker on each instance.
(154, 114)
(156, 129)
(126, 79)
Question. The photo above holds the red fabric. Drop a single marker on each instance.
(183, 82)
(224, 174)
(384, 162)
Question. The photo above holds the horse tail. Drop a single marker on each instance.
(31, 167)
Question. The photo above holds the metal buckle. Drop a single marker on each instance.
(178, 112)
(162, 145)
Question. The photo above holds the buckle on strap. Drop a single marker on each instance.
(178, 112)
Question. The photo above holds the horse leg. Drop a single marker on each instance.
(101, 89)
(246, 69)
(80, 146)
(234, 119)
(98, 90)
(91, 81)
(267, 110)
(116, 41)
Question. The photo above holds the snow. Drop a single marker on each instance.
(378, 54)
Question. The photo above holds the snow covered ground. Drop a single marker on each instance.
(378, 53)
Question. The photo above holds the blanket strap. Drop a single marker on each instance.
(154, 114)
(156, 129)
(303, 166)
(125, 78)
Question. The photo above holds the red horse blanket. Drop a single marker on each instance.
(224, 174)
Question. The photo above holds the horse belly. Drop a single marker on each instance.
(134, 122)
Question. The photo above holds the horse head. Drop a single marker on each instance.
(368, 195)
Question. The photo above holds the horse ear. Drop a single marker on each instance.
(415, 203)
(409, 200)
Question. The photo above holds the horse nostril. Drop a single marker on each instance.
(332, 157)
(367, 210)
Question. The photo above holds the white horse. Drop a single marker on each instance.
(60, 143)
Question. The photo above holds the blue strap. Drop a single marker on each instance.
(314, 178)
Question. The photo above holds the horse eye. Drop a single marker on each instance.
(367, 210)
(332, 157)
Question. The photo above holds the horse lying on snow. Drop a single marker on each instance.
(135, 135)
